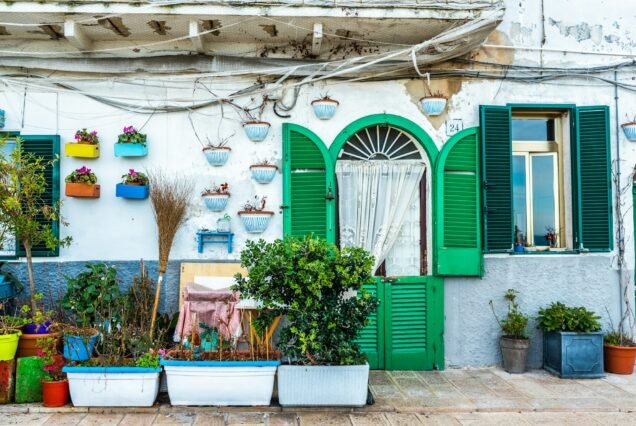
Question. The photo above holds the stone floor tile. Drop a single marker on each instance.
(615, 418)
(368, 419)
(571, 404)
(531, 389)
(417, 392)
(174, 419)
(605, 390)
(277, 419)
(402, 373)
(65, 419)
(408, 381)
(244, 419)
(403, 419)
(445, 391)
(324, 419)
(571, 390)
(386, 391)
(558, 419)
(210, 419)
(380, 378)
(438, 419)
(39, 408)
(433, 377)
(508, 419)
(501, 404)
(138, 419)
(24, 419)
(101, 420)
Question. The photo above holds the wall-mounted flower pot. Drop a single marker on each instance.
(216, 202)
(244, 383)
(433, 105)
(113, 386)
(82, 150)
(629, 129)
(2, 118)
(7, 288)
(217, 156)
(573, 355)
(136, 192)
(82, 190)
(619, 359)
(263, 173)
(131, 150)
(255, 222)
(9, 345)
(80, 348)
(55, 394)
(325, 108)
(256, 131)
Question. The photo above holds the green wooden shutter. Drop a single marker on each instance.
(496, 143)
(371, 338)
(594, 178)
(459, 209)
(308, 178)
(47, 147)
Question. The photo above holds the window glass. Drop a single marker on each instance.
(519, 198)
(543, 205)
(531, 129)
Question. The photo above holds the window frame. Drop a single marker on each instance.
(16, 248)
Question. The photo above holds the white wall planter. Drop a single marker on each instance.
(255, 222)
(245, 383)
(256, 131)
(263, 173)
(325, 108)
(433, 105)
(113, 386)
(320, 385)
(217, 156)
(216, 202)
(630, 131)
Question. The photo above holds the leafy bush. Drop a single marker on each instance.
(309, 280)
(559, 317)
(515, 323)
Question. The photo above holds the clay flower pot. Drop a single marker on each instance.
(28, 344)
(55, 394)
(619, 359)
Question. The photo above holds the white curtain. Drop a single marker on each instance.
(374, 199)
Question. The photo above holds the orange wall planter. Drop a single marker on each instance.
(82, 190)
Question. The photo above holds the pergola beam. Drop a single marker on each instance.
(316, 42)
(76, 35)
(195, 37)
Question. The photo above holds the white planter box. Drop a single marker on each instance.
(338, 385)
(246, 383)
(113, 386)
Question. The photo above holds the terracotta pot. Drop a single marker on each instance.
(55, 394)
(84, 190)
(28, 344)
(620, 359)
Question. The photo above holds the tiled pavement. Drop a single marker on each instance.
(451, 397)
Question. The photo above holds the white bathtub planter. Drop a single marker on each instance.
(256, 131)
(113, 386)
(217, 155)
(244, 383)
(433, 105)
(263, 173)
(629, 129)
(325, 107)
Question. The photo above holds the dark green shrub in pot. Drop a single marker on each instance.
(514, 341)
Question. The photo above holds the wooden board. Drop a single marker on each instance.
(190, 270)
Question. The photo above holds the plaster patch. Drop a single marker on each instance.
(159, 27)
(212, 24)
(493, 55)
(579, 32)
(520, 34)
(419, 88)
(270, 29)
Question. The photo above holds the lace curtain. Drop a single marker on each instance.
(374, 199)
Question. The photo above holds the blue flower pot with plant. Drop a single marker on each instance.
(79, 347)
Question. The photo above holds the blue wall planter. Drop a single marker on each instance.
(256, 131)
(7, 288)
(573, 355)
(433, 105)
(263, 173)
(255, 222)
(217, 156)
(216, 203)
(78, 348)
(325, 108)
(137, 192)
(130, 150)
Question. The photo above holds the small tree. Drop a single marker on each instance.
(23, 211)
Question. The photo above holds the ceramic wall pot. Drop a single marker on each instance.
(217, 156)
(255, 222)
(256, 131)
(629, 129)
(216, 202)
(433, 105)
(263, 173)
(325, 109)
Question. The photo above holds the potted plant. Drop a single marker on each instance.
(263, 171)
(82, 183)
(217, 154)
(38, 324)
(216, 198)
(434, 103)
(55, 391)
(254, 216)
(131, 143)
(629, 129)
(324, 107)
(134, 185)
(314, 283)
(572, 341)
(514, 341)
(256, 129)
(86, 145)
(10, 331)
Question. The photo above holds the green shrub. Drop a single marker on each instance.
(515, 323)
(559, 317)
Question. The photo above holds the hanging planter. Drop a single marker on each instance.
(131, 143)
(86, 145)
(217, 155)
(256, 131)
(254, 216)
(629, 129)
(216, 198)
(433, 105)
(134, 186)
(82, 183)
(263, 172)
(325, 107)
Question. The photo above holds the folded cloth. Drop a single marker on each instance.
(213, 307)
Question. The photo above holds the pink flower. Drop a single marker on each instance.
(162, 352)
(48, 368)
(41, 352)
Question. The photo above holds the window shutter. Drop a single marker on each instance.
(594, 178)
(459, 208)
(47, 147)
(496, 144)
(308, 179)
(371, 338)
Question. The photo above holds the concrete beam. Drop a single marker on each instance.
(76, 35)
(316, 42)
(195, 37)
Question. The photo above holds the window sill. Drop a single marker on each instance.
(542, 253)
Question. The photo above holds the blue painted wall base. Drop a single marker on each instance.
(574, 355)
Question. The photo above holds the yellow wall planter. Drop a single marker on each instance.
(82, 150)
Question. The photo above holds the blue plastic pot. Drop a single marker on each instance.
(324, 109)
(255, 222)
(136, 192)
(130, 150)
(78, 348)
(519, 248)
(433, 106)
(216, 203)
(256, 131)
(7, 288)
(263, 173)
(217, 156)
(573, 355)
(33, 328)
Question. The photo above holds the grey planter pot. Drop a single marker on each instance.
(515, 354)
(574, 355)
(322, 385)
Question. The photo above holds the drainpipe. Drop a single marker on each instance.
(621, 236)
